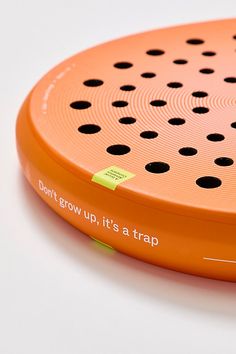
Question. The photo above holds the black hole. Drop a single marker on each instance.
(118, 149)
(158, 103)
(206, 71)
(80, 104)
(174, 84)
(127, 88)
(187, 151)
(93, 83)
(155, 52)
(231, 79)
(233, 125)
(180, 61)
(127, 120)
(89, 129)
(199, 94)
(224, 161)
(208, 182)
(195, 41)
(157, 167)
(176, 121)
(149, 134)
(200, 110)
(119, 103)
(148, 75)
(123, 65)
(209, 53)
(215, 137)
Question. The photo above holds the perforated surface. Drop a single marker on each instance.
(159, 104)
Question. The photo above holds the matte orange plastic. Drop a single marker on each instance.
(161, 107)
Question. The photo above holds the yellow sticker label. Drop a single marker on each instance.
(111, 176)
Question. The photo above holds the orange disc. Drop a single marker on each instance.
(134, 143)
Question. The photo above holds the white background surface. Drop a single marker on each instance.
(59, 292)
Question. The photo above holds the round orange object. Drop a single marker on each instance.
(134, 143)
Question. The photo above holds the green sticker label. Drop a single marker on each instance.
(111, 176)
